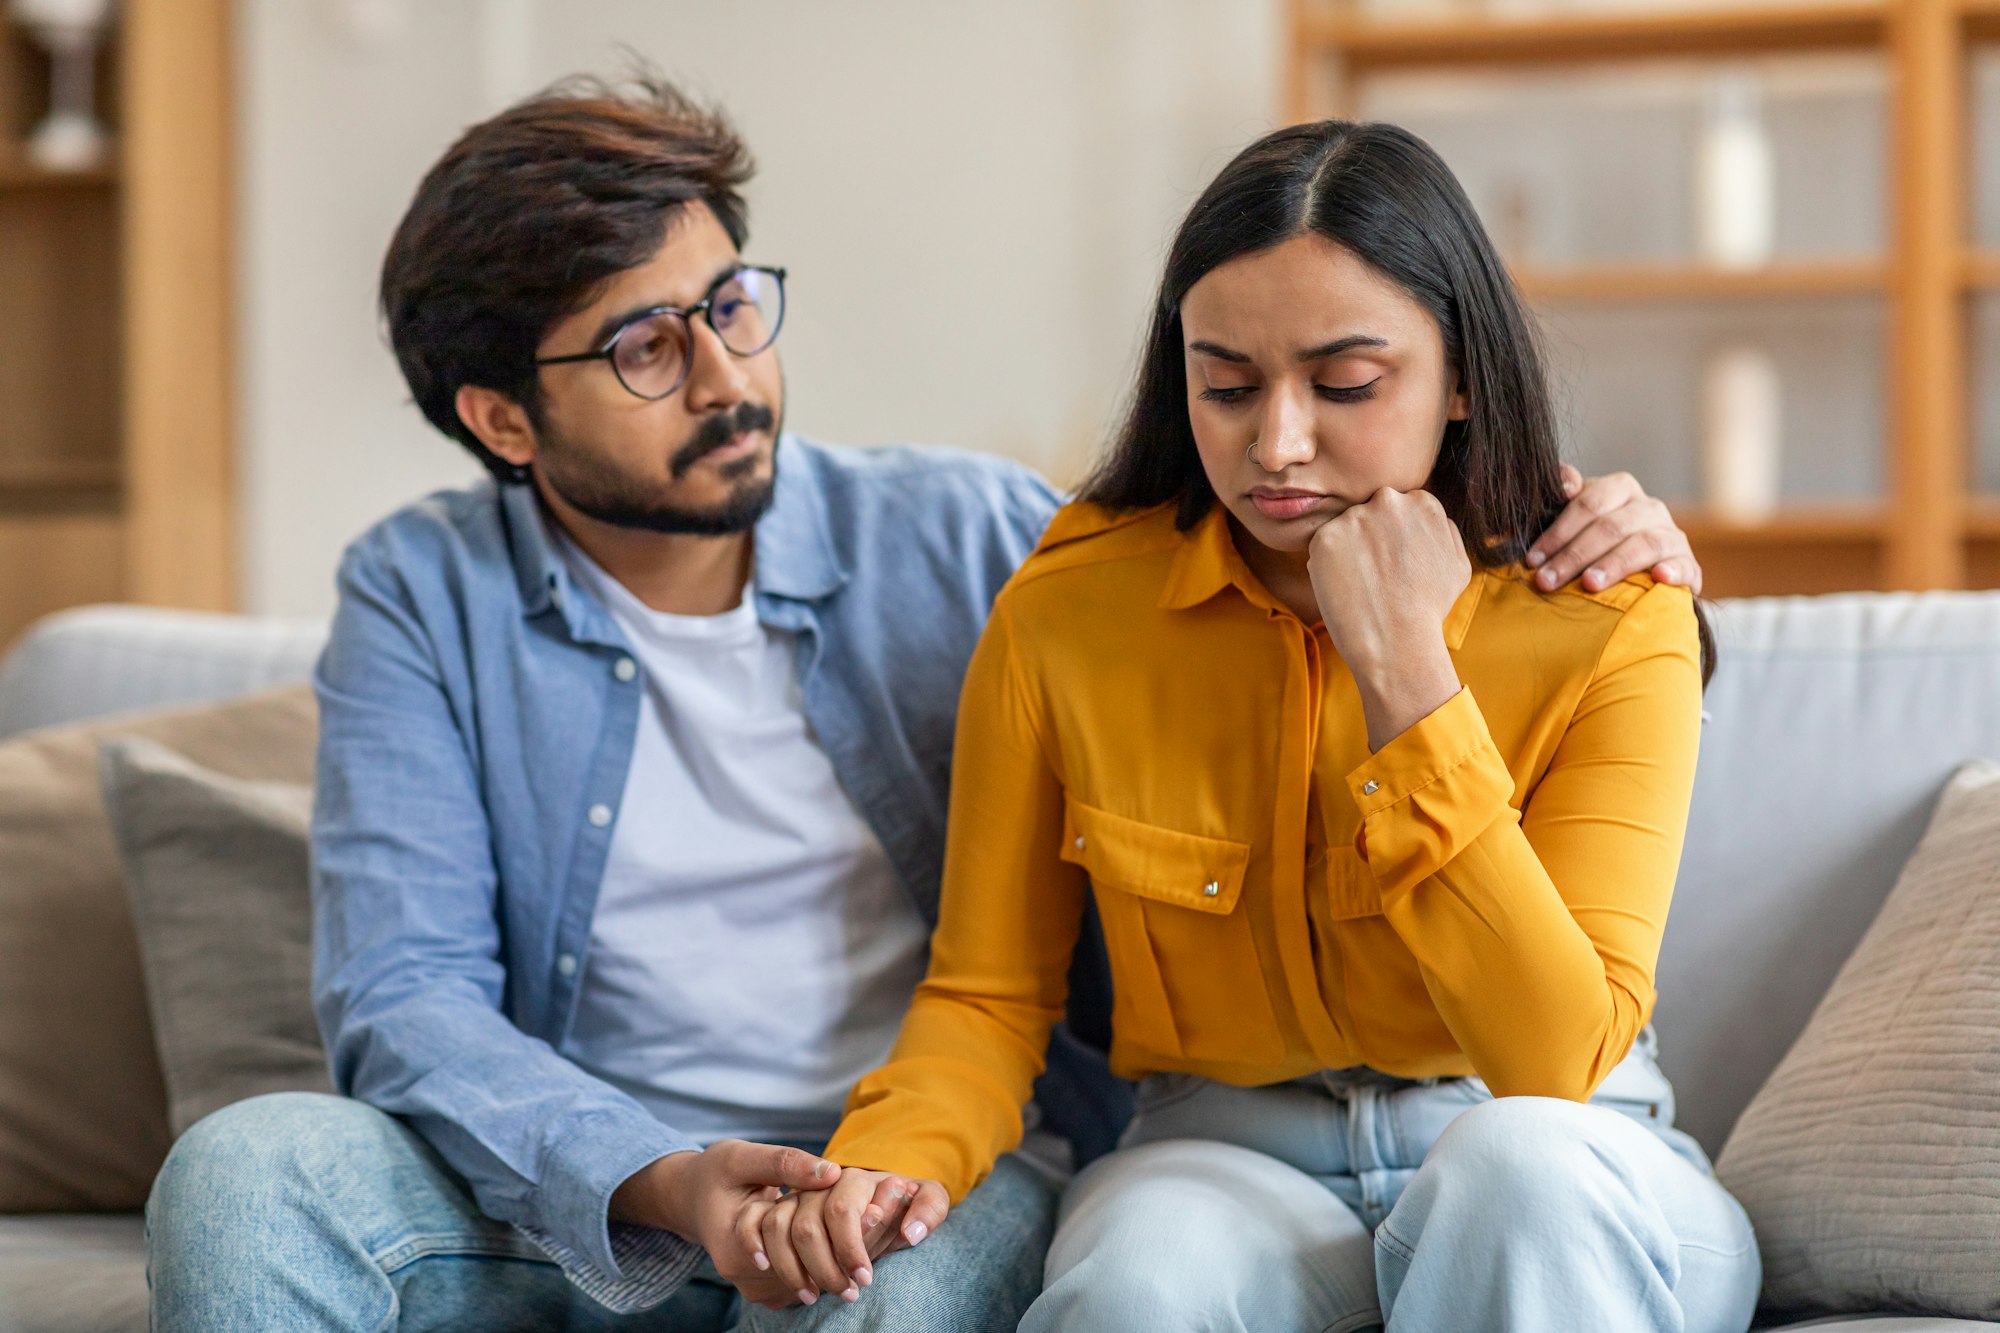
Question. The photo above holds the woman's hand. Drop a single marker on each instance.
(1386, 574)
(828, 1240)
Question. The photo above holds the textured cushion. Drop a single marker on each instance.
(1870, 1161)
(217, 871)
(73, 1274)
(83, 1121)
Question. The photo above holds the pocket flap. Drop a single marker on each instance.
(1165, 865)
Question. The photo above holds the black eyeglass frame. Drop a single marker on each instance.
(705, 308)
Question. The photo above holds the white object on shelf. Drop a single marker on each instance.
(70, 138)
(1735, 193)
(1742, 433)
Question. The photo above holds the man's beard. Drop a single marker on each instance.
(595, 489)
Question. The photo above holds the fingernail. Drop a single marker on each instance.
(819, 1172)
(1668, 574)
(862, 1277)
(1594, 577)
(763, 1264)
(1546, 579)
(1536, 560)
(806, 1297)
(873, 1218)
(851, 1295)
(915, 1232)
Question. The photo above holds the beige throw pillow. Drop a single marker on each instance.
(83, 1118)
(217, 869)
(1870, 1161)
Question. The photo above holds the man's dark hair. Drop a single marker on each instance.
(1384, 195)
(528, 215)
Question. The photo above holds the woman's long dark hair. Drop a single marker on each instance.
(1381, 193)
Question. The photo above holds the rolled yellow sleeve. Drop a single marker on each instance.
(1537, 934)
(948, 1103)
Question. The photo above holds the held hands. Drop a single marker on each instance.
(828, 1239)
(700, 1196)
(1385, 575)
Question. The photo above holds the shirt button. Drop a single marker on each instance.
(1371, 788)
(626, 669)
(566, 964)
(1210, 889)
(1079, 844)
(600, 815)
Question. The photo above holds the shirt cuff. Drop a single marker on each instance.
(1428, 794)
(573, 1208)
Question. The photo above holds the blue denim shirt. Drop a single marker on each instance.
(475, 736)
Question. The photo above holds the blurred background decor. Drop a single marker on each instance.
(1763, 237)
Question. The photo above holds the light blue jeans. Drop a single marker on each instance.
(1351, 1200)
(300, 1211)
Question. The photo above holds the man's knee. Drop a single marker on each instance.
(263, 1148)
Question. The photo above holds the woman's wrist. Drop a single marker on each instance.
(1403, 683)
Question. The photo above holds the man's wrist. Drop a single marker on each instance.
(656, 1195)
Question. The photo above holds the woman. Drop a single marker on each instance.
(1382, 837)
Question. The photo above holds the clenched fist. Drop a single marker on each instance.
(1385, 575)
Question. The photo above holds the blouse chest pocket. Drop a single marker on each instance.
(1187, 980)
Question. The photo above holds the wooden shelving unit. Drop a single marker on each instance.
(116, 476)
(1929, 530)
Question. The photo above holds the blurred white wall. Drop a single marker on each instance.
(972, 199)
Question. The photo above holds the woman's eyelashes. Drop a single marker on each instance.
(1333, 393)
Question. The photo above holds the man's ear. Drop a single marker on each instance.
(498, 422)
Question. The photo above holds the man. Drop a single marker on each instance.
(631, 793)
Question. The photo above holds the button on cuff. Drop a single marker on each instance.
(599, 815)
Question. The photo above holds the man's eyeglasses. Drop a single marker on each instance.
(651, 352)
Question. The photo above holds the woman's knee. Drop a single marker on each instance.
(1522, 1156)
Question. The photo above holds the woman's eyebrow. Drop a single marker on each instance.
(1219, 352)
(1339, 345)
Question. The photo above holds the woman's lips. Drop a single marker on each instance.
(1278, 503)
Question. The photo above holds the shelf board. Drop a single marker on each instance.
(1751, 29)
(15, 175)
(1979, 270)
(1817, 525)
(1982, 517)
(1700, 282)
(49, 480)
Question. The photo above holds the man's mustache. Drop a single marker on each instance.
(744, 419)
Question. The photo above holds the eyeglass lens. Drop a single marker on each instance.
(651, 354)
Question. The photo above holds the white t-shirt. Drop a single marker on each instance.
(752, 953)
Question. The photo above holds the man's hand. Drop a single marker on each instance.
(828, 1240)
(1611, 531)
(699, 1196)
(1386, 574)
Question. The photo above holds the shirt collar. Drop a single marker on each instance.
(1207, 562)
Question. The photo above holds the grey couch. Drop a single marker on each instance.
(1833, 724)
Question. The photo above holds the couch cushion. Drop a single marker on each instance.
(1836, 721)
(66, 1274)
(1870, 1161)
(83, 1121)
(217, 869)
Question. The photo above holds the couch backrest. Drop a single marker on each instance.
(1834, 722)
(118, 659)
(1833, 725)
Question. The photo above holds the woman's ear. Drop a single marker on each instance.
(1459, 408)
(498, 422)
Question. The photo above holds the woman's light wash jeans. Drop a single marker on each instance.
(1350, 1199)
(297, 1211)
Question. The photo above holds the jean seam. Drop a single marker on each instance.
(1390, 1240)
(406, 1252)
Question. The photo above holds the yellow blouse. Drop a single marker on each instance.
(1143, 721)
